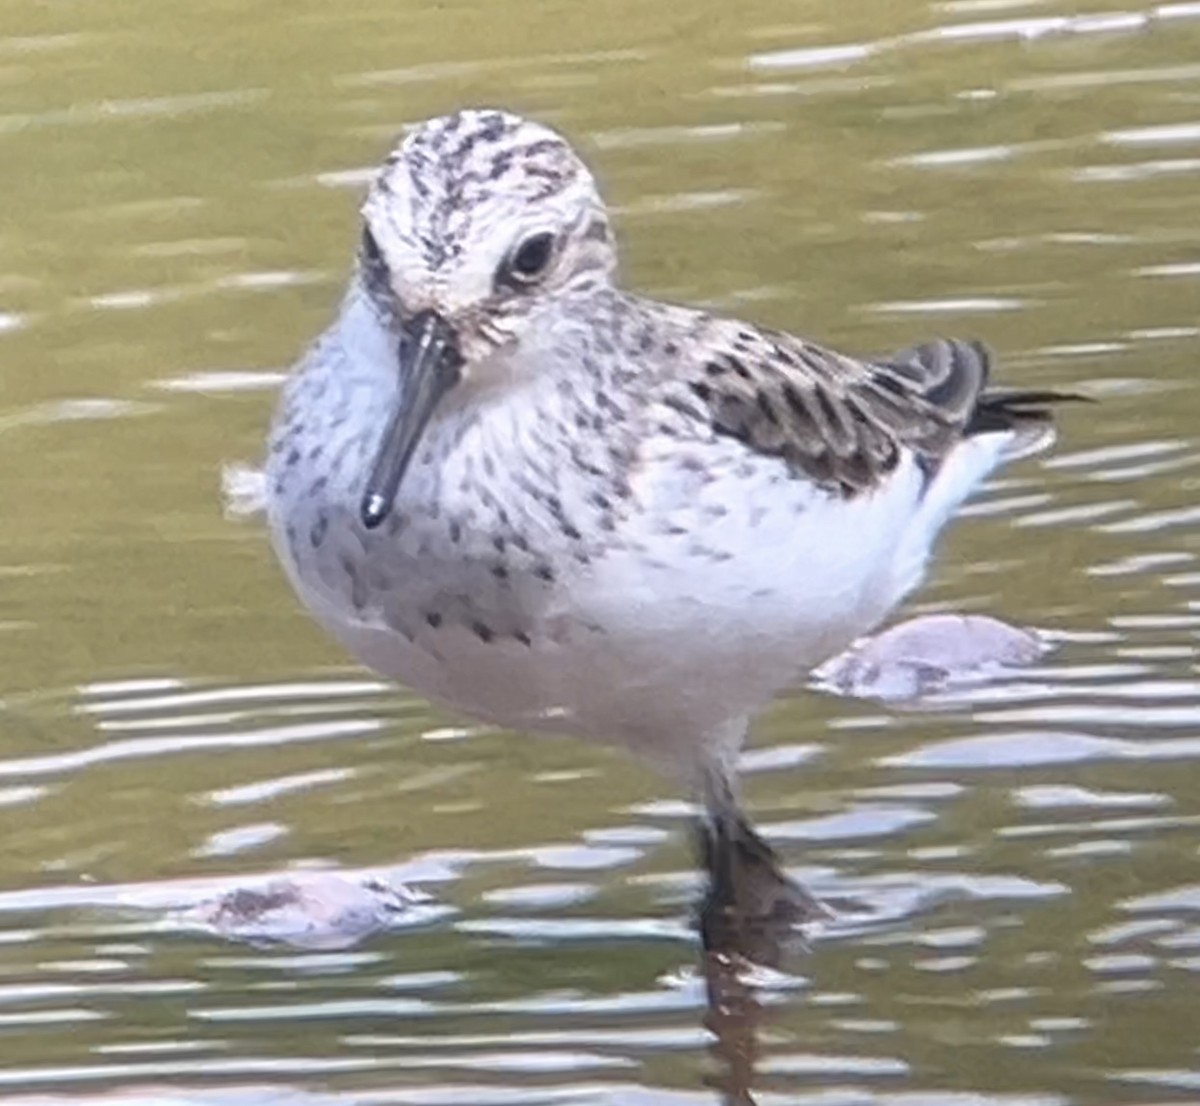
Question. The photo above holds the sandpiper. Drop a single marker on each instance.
(550, 503)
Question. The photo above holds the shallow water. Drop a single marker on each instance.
(1016, 870)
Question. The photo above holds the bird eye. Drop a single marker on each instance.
(531, 258)
(376, 278)
(371, 252)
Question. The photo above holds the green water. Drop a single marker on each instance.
(1017, 871)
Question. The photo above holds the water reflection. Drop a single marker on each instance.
(1013, 863)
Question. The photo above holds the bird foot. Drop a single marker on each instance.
(752, 909)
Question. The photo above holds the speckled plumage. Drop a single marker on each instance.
(626, 520)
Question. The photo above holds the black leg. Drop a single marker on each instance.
(751, 908)
(719, 909)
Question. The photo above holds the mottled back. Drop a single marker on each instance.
(840, 421)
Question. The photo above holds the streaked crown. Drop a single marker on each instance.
(480, 216)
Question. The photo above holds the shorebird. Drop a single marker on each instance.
(553, 504)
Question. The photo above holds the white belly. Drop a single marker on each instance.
(713, 600)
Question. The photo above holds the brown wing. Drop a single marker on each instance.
(839, 421)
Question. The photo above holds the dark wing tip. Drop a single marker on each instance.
(1006, 410)
(948, 375)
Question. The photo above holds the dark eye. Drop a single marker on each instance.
(374, 269)
(371, 252)
(531, 258)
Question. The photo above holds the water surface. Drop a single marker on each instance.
(1017, 869)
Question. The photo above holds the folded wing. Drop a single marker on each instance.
(844, 423)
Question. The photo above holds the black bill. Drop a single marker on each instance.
(429, 368)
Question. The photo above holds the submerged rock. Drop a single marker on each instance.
(308, 910)
(928, 654)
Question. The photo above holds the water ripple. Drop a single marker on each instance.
(1011, 865)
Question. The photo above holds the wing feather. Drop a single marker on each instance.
(840, 421)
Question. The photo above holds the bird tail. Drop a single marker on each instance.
(1003, 426)
(1027, 417)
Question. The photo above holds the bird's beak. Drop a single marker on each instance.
(430, 364)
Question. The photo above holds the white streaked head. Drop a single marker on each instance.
(476, 225)
(482, 217)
